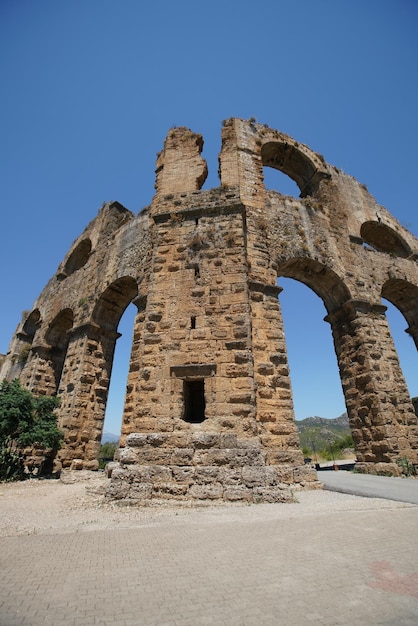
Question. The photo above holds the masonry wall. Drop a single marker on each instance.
(201, 266)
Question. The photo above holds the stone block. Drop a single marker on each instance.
(157, 439)
(253, 476)
(184, 474)
(77, 464)
(230, 476)
(305, 473)
(237, 493)
(272, 494)
(169, 490)
(127, 456)
(110, 467)
(205, 440)
(152, 456)
(228, 440)
(204, 475)
(214, 456)
(135, 440)
(156, 473)
(117, 490)
(182, 456)
(180, 439)
(242, 457)
(284, 457)
(139, 491)
(206, 492)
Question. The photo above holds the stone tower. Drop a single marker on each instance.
(208, 409)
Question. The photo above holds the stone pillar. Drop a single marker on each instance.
(382, 418)
(240, 163)
(180, 167)
(38, 373)
(275, 411)
(83, 392)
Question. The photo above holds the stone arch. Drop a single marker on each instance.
(113, 302)
(27, 334)
(106, 316)
(22, 348)
(404, 296)
(77, 259)
(57, 336)
(384, 239)
(292, 160)
(89, 362)
(31, 325)
(322, 280)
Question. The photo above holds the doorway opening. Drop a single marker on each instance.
(194, 401)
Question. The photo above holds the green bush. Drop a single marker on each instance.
(25, 420)
(407, 468)
(11, 465)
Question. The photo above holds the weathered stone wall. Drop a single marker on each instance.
(209, 353)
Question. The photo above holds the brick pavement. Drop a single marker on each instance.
(354, 567)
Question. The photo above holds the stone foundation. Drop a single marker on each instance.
(378, 469)
(202, 466)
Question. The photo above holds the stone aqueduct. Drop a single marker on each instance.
(208, 385)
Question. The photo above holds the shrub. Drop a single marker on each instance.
(25, 420)
(407, 468)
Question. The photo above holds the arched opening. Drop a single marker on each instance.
(313, 364)
(31, 325)
(113, 302)
(78, 257)
(405, 347)
(401, 298)
(26, 336)
(275, 180)
(323, 281)
(310, 291)
(384, 239)
(107, 315)
(57, 337)
(287, 158)
(117, 388)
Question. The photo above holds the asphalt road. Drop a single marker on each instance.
(400, 489)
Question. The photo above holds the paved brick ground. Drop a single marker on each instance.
(358, 568)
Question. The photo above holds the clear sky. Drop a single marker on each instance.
(91, 87)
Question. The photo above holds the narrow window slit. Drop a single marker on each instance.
(194, 401)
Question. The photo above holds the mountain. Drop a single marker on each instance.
(319, 432)
(337, 423)
(109, 437)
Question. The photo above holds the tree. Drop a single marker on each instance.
(25, 420)
(107, 452)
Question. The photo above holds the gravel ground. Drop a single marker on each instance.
(75, 503)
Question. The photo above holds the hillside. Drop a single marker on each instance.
(318, 433)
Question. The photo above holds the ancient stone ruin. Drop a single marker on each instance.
(208, 410)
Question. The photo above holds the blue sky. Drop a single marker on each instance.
(91, 87)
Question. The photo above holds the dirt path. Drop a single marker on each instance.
(76, 504)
